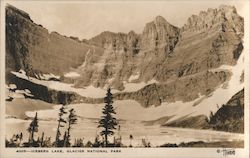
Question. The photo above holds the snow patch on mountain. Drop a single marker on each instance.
(85, 59)
(72, 74)
(123, 109)
(11, 86)
(89, 91)
(47, 76)
(11, 91)
(134, 77)
(221, 68)
(132, 87)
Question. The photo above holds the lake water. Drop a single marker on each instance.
(156, 135)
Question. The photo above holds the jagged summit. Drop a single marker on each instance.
(224, 17)
(228, 8)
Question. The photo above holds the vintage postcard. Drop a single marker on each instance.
(124, 79)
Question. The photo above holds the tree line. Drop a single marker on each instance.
(66, 119)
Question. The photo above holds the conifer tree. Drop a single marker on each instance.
(97, 142)
(72, 119)
(42, 140)
(60, 124)
(108, 122)
(21, 137)
(32, 129)
(65, 139)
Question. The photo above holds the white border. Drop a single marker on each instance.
(126, 152)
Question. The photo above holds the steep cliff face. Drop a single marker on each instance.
(17, 53)
(131, 54)
(230, 117)
(159, 34)
(32, 48)
(174, 63)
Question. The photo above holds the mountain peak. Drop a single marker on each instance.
(156, 34)
(160, 19)
(225, 16)
(228, 8)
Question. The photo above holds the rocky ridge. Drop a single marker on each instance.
(178, 59)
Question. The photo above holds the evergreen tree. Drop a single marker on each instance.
(71, 121)
(211, 116)
(42, 140)
(32, 129)
(60, 121)
(131, 138)
(108, 122)
(65, 139)
(97, 142)
(21, 137)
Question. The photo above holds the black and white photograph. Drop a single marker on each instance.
(111, 77)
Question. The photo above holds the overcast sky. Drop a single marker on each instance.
(86, 19)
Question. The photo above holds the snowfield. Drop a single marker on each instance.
(89, 91)
(72, 75)
(48, 76)
(133, 87)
